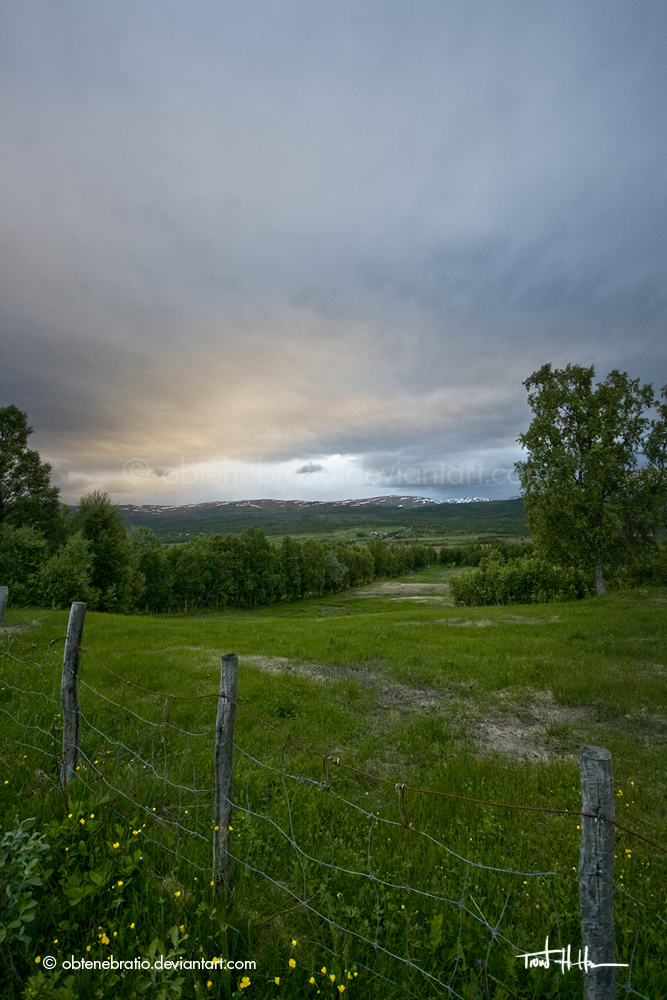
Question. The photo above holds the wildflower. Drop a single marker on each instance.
(294, 943)
(119, 883)
(324, 970)
(115, 933)
(103, 938)
(135, 832)
(332, 976)
(92, 815)
(69, 815)
(212, 882)
(131, 927)
(182, 928)
(312, 980)
(244, 983)
(87, 947)
(153, 808)
(341, 989)
(230, 828)
(38, 959)
(209, 984)
(82, 821)
(292, 963)
(177, 894)
(216, 827)
(116, 845)
(276, 980)
(349, 975)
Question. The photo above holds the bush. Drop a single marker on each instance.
(527, 580)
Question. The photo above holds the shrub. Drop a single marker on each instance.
(527, 580)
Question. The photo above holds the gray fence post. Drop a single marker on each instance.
(4, 597)
(596, 871)
(224, 745)
(69, 693)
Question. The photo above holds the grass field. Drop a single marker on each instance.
(488, 703)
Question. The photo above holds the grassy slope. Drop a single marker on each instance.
(415, 690)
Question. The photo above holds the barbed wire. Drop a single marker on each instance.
(287, 832)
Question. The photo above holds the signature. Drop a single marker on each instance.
(545, 959)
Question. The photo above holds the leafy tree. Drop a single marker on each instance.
(100, 524)
(66, 576)
(22, 552)
(26, 495)
(594, 481)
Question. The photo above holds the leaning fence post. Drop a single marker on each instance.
(224, 744)
(4, 597)
(69, 693)
(596, 871)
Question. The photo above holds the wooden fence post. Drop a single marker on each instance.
(69, 693)
(4, 597)
(224, 745)
(596, 871)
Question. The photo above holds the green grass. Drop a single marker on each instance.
(489, 703)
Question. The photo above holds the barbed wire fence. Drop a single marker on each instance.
(300, 835)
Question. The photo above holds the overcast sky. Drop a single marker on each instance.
(311, 249)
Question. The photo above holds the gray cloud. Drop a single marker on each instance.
(300, 230)
(309, 468)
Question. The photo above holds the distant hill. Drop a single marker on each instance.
(298, 517)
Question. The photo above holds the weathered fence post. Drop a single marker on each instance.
(69, 694)
(224, 744)
(596, 871)
(4, 597)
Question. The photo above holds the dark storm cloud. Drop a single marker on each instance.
(297, 230)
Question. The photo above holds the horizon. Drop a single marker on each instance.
(315, 250)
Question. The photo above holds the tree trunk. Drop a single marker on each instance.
(598, 579)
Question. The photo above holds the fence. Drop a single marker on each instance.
(156, 769)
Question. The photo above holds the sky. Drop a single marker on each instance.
(311, 250)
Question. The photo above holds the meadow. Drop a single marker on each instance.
(394, 893)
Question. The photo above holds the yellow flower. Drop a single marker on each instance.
(292, 963)
(276, 980)
(82, 821)
(349, 975)
(332, 976)
(209, 984)
(69, 815)
(182, 928)
(244, 983)
(115, 933)
(341, 989)
(120, 882)
(294, 943)
(231, 828)
(92, 815)
(212, 882)
(131, 927)
(87, 947)
(38, 959)
(216, 827)
(116, 845)
(312, 980)
(177, 894)
(324, 970)
(104, 939)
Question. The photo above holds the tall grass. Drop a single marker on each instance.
(390, 687)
